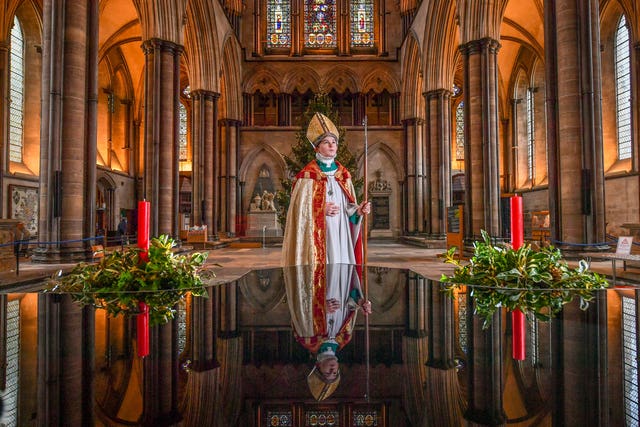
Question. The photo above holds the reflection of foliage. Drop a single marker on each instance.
(120, 280)
(302, 152)
(537, 282)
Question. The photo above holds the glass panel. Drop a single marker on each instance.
(623, 89)
(16, 92)
(362, 23)
(278, 23)
(531, 135)
(319, 24)
(183, 133)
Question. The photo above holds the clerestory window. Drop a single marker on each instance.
(16, 92)
(623, 89)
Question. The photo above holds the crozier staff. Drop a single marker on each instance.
(324, 218)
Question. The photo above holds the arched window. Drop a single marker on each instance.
(623, 89)
(362, 23)
(184, 153)
(278, 24)
(319, 24)
(531, 134)
(16, 92)
(460, 132)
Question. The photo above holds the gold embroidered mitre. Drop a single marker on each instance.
(319, 127)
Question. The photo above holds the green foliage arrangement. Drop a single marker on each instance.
(121, 279)
(302, 152)
(538, 282)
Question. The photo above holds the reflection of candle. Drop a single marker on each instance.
(142, 328)
(517, 316)
(144, 215)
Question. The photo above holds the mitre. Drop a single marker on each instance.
(319, 127)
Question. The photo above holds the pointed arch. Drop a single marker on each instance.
(161, 20)
(231, 71)
(202, 50)
(440, 46)
(262, 79)
(380, 79)
(341, 79)
(411, 102)
(301, 79)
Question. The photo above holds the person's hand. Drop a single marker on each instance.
(332, 305)
(364, 208)
(331, 209)
(366, 306)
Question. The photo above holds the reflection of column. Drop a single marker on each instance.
(482, 170)
(440, 324)
(162, 67)
(228, 311)
(65, 361)
(484, 364)
(581, 340)
(416, 318)
(202, 349)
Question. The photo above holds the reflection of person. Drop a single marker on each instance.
(122, 230)
(323, 301)
(323, 221)
(21, 238)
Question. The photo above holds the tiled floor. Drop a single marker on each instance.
(236, 261)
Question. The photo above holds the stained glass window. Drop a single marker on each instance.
(278, 23)
(16, 92)
(320, 24)
(460, 131)
(623, 89)
(362, 23)
(531, 135)
(183, 133)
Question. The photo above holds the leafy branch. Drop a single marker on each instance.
(539, 282)
(122, 278)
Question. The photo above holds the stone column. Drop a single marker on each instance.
(202, 137)
(413, 165)
(247, 109)
(66, 342)
(482, 169)
(228, 157)
(359, 109)
(572, 45)
(438, 143)
(162, 68)
(68, 159)
(284, 109)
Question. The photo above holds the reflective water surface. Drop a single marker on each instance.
(292, 347)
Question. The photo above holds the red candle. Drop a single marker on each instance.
(142, 328)
(518, 349)
(144, 216)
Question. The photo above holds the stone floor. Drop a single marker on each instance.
(235, 261)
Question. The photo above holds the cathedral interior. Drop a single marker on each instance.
(193, 105)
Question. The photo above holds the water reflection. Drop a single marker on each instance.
(242, 358)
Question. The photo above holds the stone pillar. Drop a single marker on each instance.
(413, 165)
(66, 357)
(161, 147)
(572, 45)
(203, 127)
(228, 157)
(482, 169)
(485, 387)
(68, 159)
(395, 109)
(4, 114)
(359, 109)
(438, 147)
(247, 109)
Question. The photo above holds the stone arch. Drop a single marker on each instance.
(341, 79)
(262, 155)
(383, 158)
(380, 79)
(301, 78)
(264, 80)
(231, 73)
(440, 46)
(412, 102)
(202, 50)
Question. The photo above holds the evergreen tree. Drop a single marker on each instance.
(302, 152)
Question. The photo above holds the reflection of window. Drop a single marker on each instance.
(531, 134)
(319, 23)
(630, 360)
(623, 89)
(362, 23)
(184, 154)
(278, 23)
(460, 131)
(16, 92)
